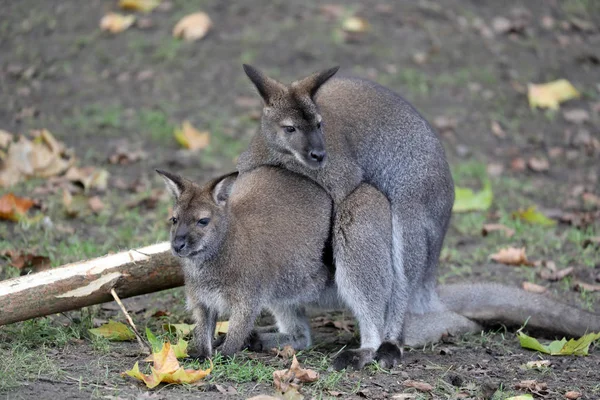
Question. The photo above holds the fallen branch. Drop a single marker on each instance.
(82, 284)
(143, 344)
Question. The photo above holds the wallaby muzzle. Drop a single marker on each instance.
(315, 155)
(179, 241)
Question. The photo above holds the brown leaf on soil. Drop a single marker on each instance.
(497, 130)
(286, 353)
(538, 164)
(517, 165)
(14, 208)
(555, 275)
(580, 220)
(511, 256)
(227, 391)
(539, 364)
(588, 287)
(534, 288)
(193, 27)
(421, 386)
(576, 116)
(355, 25)
(96, 204)
(487, 228)
(495, 169)
(27, 261)
(88, 177)
(115, 23)
(591, 200)
(404, 396)
(532, 385)
(41, 157)
(124, 156)
(292, 378)
(572, 395)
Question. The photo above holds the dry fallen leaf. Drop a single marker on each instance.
(355, 25)
(538, 164)
(497, 130)
(115, 23)
(518, 164)
(550, 95)
(96, 204)
(588, 287)
(534, 288)
(286, 353)
(550, 274)
(576, 116)
(139, 5)
(404, 396)
(591, 200)
(532, 385)
(88, 177)
(193, 27)
(572, 395)
(511, 256)
(539, 364)
(14, 208)
(289, 379)
(41, 157)
(422, 386)
(27, 262)
(191, 138)
(487, 228)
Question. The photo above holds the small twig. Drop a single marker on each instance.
(143, 344)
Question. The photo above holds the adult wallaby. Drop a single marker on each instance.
(257, 241)
(340, 132)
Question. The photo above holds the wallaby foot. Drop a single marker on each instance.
(389, 354)
(355, 358)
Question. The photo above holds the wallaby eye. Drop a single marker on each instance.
(174, 220)
(289, 129)
(203, 221)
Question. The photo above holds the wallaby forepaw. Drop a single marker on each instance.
(197, 356)
(355, 359)
(389, 355)
(253, 342)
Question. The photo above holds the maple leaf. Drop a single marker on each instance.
(551, 94)
(290, 379)
(191, 138)
(166, 369)
(511, 256)
(193, 27)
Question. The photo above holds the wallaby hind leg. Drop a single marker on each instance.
(362, 254)
(294, 330)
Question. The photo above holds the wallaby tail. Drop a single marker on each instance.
(490, 303)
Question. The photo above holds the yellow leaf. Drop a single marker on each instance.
(533, 216)
(115, 23)
(167, 369)
(222, 327)
(193, 27)
(355, 24)
(179, 329)
(139, 5)
(551, 94)
(191, 138)
(114, 331)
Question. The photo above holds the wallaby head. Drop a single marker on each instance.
(291, 123)
(199, 220)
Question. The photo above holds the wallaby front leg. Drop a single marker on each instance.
(241, 322)
(206, 320)
(364, 274)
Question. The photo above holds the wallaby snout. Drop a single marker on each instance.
(316, 154)
(178, 244)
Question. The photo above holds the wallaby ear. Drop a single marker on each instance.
(267, 87)
(312, 83)
(222, 188)
(175, 183)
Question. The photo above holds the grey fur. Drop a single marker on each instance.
(371, 135)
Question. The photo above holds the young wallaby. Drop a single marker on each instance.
(340, 132)
(260, 245)
(257, 241)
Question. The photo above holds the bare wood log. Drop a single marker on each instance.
(81, 284)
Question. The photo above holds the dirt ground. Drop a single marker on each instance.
(465, 65)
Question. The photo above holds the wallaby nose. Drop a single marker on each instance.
(317, 155)
(179, 243)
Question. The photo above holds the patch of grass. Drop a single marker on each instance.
(238, 369)
(167, 50)
(155, 123)
(19, 363)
